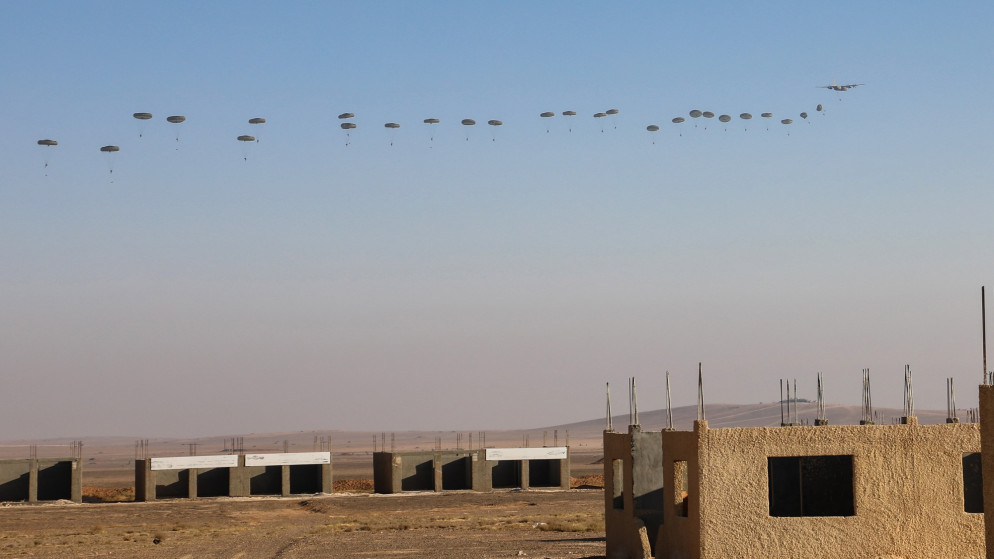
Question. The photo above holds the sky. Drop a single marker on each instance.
(465, 278)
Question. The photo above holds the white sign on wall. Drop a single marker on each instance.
(547, 453)
(187, 462)
(288, 459)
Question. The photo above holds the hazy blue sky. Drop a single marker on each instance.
(499, 281)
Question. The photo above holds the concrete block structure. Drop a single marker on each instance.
(243, 475)
(41, 479)
(850, 491)
(475, 470)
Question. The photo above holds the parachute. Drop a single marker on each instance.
(652, 128)
(547, 115)
(569, 113)
(707, 114)
(600, 115)
(429, 121)
(344, 116)
(804, 115)
(245, 139)
(695, 113)
(47, 144)
(725, 119)
(745, 116)
(257, 120)
(141, 118)
(177, 119)
(767, 115)
(611, 112)
(392, 126)
(110, 161)
(819, 108)
(494, 123)
(348, 135)
(468, 122)
(787, 121)
(678, 120)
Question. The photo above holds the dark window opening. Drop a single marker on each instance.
(305, 479)
(266, 480)
(213, 482)
(811, 486)
(55, 481)
(418, 474)
(506, 474)
(973, 483)
(457, 474)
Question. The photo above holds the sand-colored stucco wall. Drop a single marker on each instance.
(987, 445)
(907, 488)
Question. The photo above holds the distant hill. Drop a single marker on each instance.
(582, 435)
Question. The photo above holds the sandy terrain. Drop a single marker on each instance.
(555, 524)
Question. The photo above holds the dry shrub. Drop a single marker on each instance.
(352, 485)
(108, 494)
(587, 482)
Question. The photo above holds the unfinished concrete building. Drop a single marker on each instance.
(35, 480)
(476, 470)
(240, 475)
(851, 491)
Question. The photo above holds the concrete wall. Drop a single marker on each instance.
(241, 480)
(987, 462)
(633, 491)
(907, 492)
(448, 470)
(44, 479)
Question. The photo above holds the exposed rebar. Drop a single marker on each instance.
(701, 416)
(821, 419)
(610, 426)
(983, 322)
(669, 403)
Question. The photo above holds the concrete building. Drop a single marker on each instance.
(239, 475)
(41, 479)
(476, 470)
(850, 491)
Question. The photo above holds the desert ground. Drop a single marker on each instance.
(551, 524)
(351, 522)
